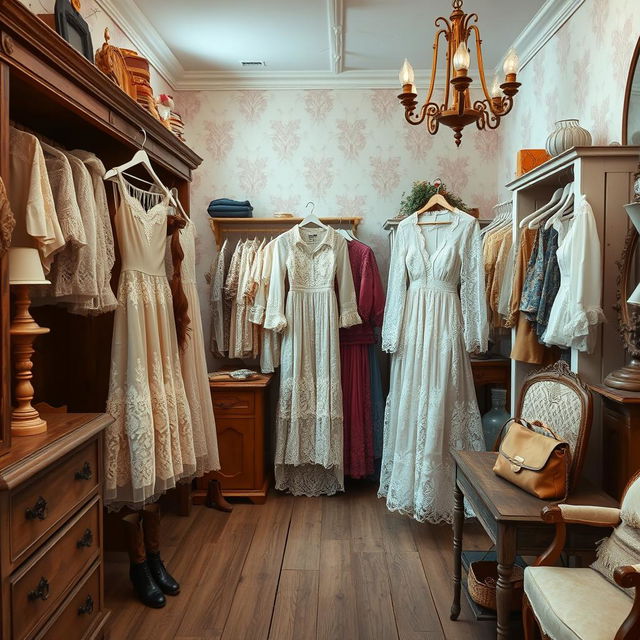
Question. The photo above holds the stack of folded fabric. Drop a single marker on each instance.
(226, 208)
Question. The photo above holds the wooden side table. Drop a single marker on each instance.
(511, 518)
(241, 412)
(620, 437)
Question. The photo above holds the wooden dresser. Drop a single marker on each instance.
(51, 524)
(241, 411)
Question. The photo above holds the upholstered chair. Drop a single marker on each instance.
(559, 399)
(601, 602)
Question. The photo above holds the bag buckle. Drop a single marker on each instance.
(516, 464)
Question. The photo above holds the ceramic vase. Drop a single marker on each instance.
(493, 420)
(567, 134)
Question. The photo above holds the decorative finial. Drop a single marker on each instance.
(107, 35)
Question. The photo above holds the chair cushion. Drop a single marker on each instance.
(621, 548)
(564, 600)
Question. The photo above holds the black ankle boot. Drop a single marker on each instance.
(145, 586)
(161, 576)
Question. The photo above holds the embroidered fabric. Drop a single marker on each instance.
(150, 445)
(7, 220)
(429, 330)
(309, 421)
(219, 341)
(230, 293)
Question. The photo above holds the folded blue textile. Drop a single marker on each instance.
(236, 213)
(229, 202)
(225, 208)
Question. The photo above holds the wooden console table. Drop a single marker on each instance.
(511, 518)
(620, 437)
(241, 411)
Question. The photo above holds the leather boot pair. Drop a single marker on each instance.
(147, 572)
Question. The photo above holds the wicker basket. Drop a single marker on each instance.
(482, 579)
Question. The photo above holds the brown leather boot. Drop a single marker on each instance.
(139, 571)
(215, 499)
(151, 529)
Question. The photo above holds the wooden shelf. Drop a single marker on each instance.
(243, 227)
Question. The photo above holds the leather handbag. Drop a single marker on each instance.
(535, 462)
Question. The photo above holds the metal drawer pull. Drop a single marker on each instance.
(38, 511)
(86, 540)
(42, 592)
(85, 473)
(87, 607)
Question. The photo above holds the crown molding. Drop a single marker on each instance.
(543, 26)
(144, 36)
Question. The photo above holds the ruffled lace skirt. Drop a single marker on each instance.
(431, 407)
(308, 459)
(149, 446)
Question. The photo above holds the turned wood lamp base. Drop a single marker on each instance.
(25, 420)
(626, 378)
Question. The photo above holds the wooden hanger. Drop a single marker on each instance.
(438, 202)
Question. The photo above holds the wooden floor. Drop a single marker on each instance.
(331, 568)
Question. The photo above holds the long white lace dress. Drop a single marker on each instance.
(429, 327)
(149, 446)
(308, 458)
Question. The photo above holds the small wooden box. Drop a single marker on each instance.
(528, 159)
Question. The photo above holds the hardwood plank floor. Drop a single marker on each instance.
(330, 568)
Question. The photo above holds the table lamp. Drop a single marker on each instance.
(25, 270)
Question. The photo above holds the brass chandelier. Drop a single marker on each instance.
(457, 109)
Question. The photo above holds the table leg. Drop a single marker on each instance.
(458, 527)
(506, 548)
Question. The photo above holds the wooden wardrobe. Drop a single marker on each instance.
(50, 485)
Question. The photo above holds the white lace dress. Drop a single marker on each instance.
(429, 327)
(308, 459)
(150, 446)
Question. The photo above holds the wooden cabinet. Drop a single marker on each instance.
(51, 519)
(241, 411)
(620, 437)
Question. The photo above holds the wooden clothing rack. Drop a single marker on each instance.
(249, 227)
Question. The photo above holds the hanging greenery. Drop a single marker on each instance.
(420, 194)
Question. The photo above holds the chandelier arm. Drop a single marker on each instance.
(447, 84)
(434, 64)
(468, 18)
(489, 119)
(419, 119)
(473, 28)
(432, 111)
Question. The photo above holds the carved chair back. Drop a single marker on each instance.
(557, 397)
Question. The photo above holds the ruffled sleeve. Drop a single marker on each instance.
(274, 318)
(472, 292)
(396, 294)
(349, 316)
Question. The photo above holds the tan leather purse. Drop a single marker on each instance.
(535, 462)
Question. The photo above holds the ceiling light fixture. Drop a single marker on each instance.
(457, 110)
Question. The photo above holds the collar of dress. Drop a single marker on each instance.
(327, 238)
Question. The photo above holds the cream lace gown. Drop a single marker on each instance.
(194, 364)
(435, 313)
(308, 459)
(150, 445)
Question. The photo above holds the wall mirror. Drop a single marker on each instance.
(631, 113)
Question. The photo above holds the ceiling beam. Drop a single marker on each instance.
(335, 18)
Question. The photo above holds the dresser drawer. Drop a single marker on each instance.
(233, 403)
(38, 587)
(38, 507)
(80, 612)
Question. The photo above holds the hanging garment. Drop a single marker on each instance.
(429, 329)
(309, 455)
(193, 362)
(251, 338)
(230, 293)
(67, 277)
(377, 402)
(354, 362)
(526, 347)
(551, 284)
(219, 340)
(7, 220)
(32, 200)
(149, 446)
(499, 272)
(244, 329)
(506, 287)
(105, 246)
(576, 311)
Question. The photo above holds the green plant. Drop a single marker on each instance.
(420, 194)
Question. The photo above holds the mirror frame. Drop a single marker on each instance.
(635, 59)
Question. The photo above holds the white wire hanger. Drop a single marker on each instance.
(312, 219)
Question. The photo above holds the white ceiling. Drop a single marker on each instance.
(296, 35)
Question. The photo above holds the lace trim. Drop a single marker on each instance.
(257, 314)
(275, 322)
(349, 318)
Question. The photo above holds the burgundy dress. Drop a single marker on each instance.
(354, 362)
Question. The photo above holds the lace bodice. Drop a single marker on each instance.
(455, 261)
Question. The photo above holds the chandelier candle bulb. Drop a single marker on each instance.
(495, 88)
(511, 65)
(407, 75)
(461, 59)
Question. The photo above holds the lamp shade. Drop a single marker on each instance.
(25, 266)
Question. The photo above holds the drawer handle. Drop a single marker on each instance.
(87, 607)
(38, 511)
(41, 592)
(85, 473)
(86, 540)
(226, 405)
